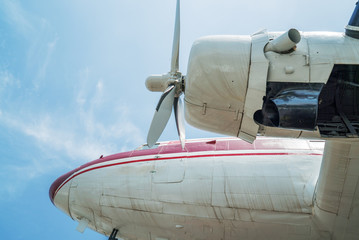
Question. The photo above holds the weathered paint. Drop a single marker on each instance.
(214, 189)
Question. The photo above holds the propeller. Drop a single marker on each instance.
(172, 86)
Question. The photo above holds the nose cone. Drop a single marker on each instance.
(59, 192)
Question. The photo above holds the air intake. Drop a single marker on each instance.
(352, 30)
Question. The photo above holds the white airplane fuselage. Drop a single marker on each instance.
(213, 189)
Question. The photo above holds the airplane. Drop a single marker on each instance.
(254, 186)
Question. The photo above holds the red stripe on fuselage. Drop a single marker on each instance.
(56, 186)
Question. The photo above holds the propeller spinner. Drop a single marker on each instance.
(172, 86)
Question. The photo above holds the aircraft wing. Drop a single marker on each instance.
(336, 201)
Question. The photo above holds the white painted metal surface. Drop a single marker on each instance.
(337, 195)
(223, 189)
(256, 91)
(285, 42)
(219, 67)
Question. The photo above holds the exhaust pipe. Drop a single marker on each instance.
(285, 42)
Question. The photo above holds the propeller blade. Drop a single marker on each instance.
(161, 116)
(176, 41)
(178, 109)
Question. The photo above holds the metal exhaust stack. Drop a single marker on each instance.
(284, 42)
(352, 30)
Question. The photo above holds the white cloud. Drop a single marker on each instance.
(83, 140)
(18, 176)
(69, 143)
(17, 17)
(50, 47)
(89, 123)
(81, 90)
(40, 51)
(38, 35)
(7, 80)
(8, 85)
(93, 124)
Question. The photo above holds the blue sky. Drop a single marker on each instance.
(72, 87)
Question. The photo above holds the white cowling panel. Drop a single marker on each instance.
(337, 195)
(256, 86)
(216, 83)
(291, 67)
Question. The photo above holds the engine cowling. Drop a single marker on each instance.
(216, 83)
(238, 86)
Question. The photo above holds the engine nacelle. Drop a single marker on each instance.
(227, 78)
(243, 86)
(216, 83)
